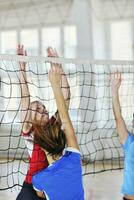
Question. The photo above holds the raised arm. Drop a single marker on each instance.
(64, 83)
(55, 79)
(25, 96)
(120, 124)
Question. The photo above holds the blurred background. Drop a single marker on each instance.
(82, 29)
(93, 29)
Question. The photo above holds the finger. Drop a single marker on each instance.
(110, 77)
(22, 49)
(116, 75)
(50, 52)
(48, 49)
(17, 51)
(53, 52)
(56, 53)
(18, 48)
(120, 76)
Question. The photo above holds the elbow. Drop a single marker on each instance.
(40, 194)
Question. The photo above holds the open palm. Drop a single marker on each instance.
(115, 81)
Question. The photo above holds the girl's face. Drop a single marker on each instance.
(39, 113)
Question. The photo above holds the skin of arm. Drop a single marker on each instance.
(120, 124)
(61, 90)
(25, 100)
(55, 80)
(25, 95)
(40, 194)
(64, 82)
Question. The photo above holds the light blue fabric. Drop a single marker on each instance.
(128, 183)
(63, 179)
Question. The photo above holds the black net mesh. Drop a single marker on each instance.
(90, 110)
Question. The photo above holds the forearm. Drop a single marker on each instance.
(61, 104)
(120, 123)
(25, 97)
(65, 89)
(116, 105)
(64, 116)
(23, 83)
(55, 79)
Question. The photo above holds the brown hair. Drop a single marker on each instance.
(124, 198)
(51, 137)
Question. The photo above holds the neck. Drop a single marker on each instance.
(52, 159)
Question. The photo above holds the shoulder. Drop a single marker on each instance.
(129, 140)
(26, 129)
(36, 181)
(73, 150)
(72, 154)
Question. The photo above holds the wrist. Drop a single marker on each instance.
(55, 84)
(22, 71)
(115, 91)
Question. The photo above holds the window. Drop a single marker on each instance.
(122, 48)
(70, 41)
(8, 42)
(121, 40)
(51, 37)
(30, 39)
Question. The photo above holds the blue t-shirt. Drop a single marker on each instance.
(128, 183)
(63, 179)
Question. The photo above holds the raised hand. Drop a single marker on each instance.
(120, 123)
(21, 51)
(63, 82)
(115, 81)
(52, 52)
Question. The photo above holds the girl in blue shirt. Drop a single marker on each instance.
(62, 179)
(126, 139)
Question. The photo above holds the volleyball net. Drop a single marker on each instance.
(90, 111)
